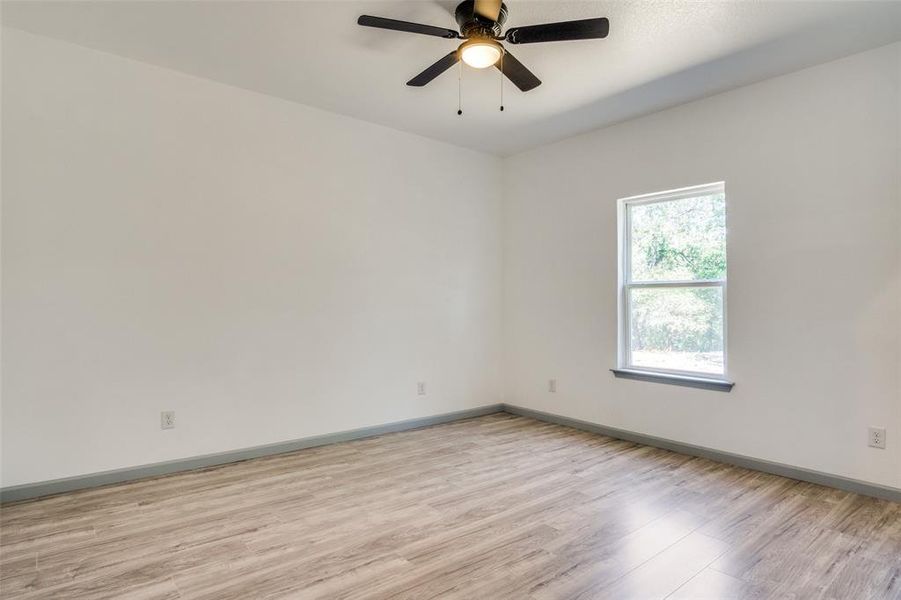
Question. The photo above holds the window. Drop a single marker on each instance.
(673, 282)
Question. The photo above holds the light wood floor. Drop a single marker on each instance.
(494, 507)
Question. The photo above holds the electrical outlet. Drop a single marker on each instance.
(167, 419)
(877, 437)
(420, 388)
(552, 386)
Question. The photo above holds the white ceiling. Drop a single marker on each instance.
(658, 54)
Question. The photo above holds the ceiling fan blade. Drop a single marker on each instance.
(435, 70)
(383, 23)
(586, 29)
(490, 9)
(517, 72)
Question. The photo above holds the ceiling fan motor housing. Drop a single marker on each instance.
(473, 24)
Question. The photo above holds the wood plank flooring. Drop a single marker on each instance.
(494, 507)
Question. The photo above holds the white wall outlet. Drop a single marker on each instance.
(877, 437)
(167, 419)
(420, 388)
(552, 386)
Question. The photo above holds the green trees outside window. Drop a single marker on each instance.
(675, 273)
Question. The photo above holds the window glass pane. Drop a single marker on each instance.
(679, 329)
(679, 239)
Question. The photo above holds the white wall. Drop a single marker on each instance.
(267, 270)
(271, 271)
(813, 185)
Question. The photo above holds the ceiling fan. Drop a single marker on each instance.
(481, 23)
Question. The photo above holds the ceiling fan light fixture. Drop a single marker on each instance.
(480, 53)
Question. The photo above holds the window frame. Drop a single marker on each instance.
(625, 283)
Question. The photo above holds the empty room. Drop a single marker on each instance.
(482, 300)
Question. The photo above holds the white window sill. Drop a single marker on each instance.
(697, 382)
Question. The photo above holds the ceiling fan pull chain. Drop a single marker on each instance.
(502, 79)
(460, 89)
